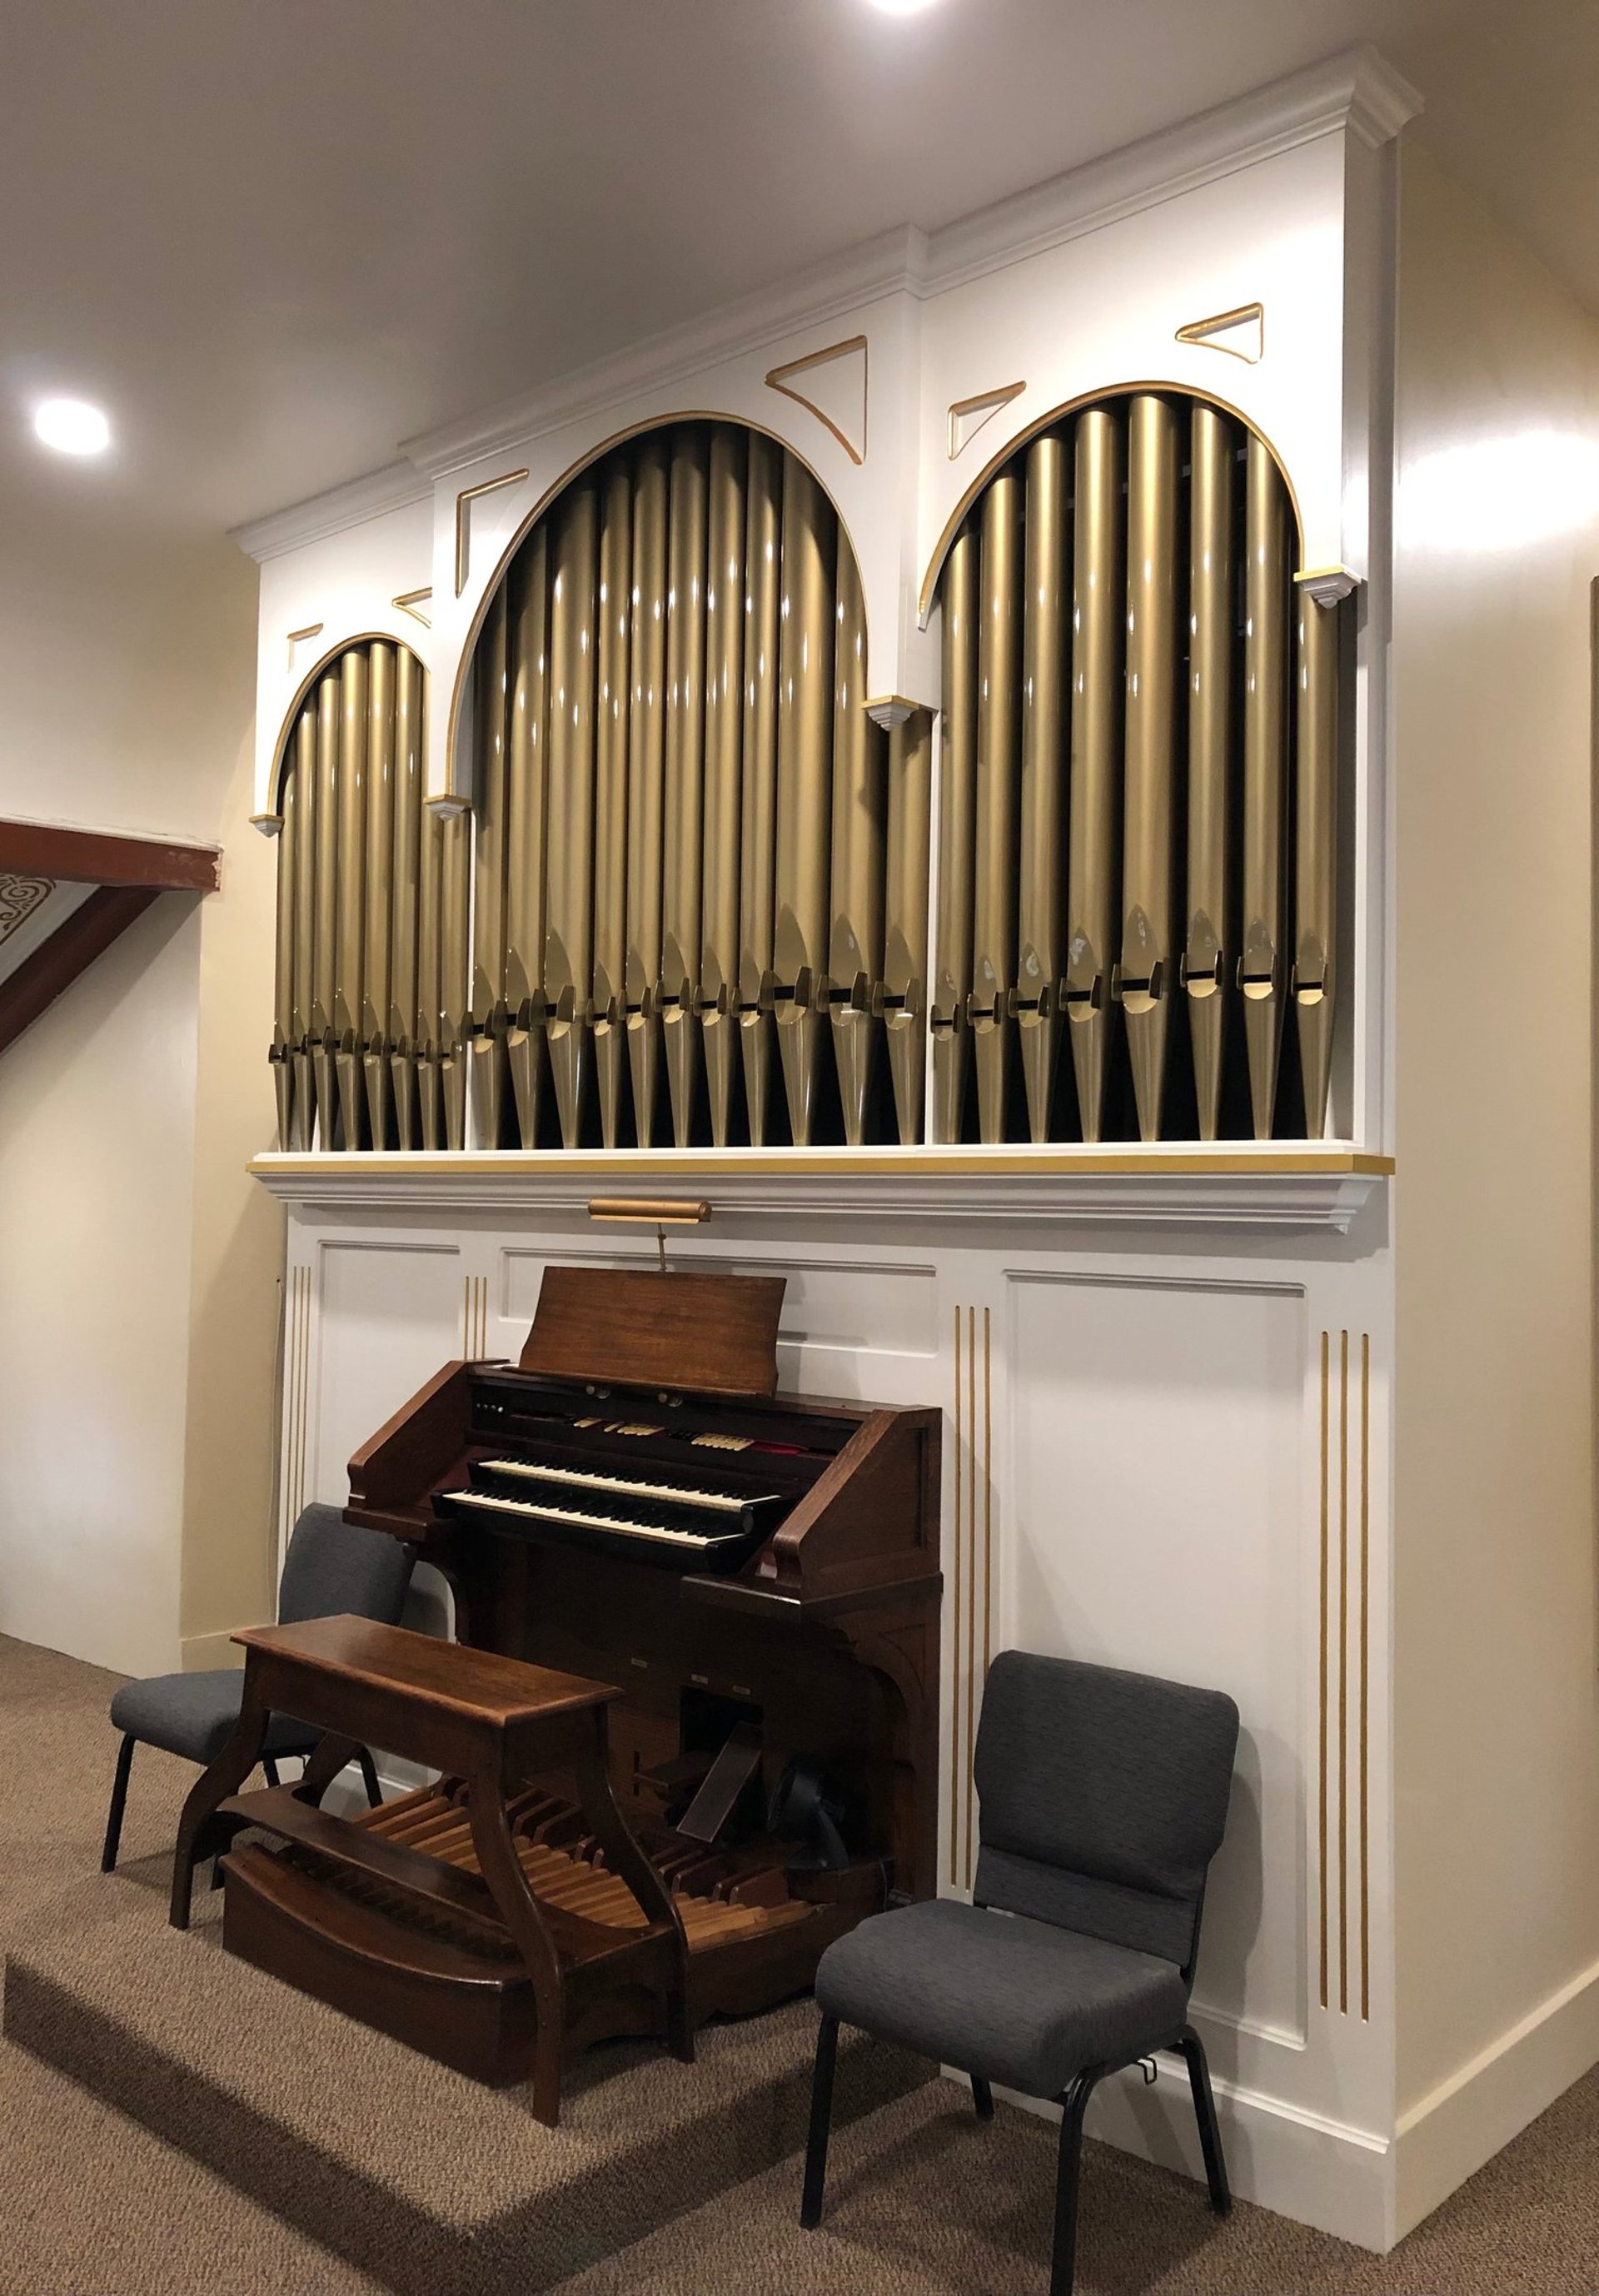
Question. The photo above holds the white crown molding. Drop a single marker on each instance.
(394, 486)
(1310, 1188)
(1357, 90)
(889, 264)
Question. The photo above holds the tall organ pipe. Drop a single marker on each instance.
(487, 1054)
(526, 810)
(646, 771)
(1316, 853)
(1044, 706)
(957, 834)
(757, 826)
(430, 901)
(998, 777)
(805, 713)
(380, 891)
(325, 905)
(610, 802)
(1144, 973)
(724, 611)
(455, 871)
(1265, 743)
(903, 998)
(352, 887)
(859, 806)
(1098, 606)
(1207, 941)
(282, 1025)
(682, 827)
(568, 939)
(408, 742)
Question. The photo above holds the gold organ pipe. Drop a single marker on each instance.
(1316, 853)
(805, 710)
(1044, 709)
(407, 881)
(1264, 742)
(326, 905)
(903, 998)
(723, 775)
(1145, 971)
(455, 869)
(611, 798)
(380, 888)
(646, 780)
(485, 1052)
(957, 833)
(429, 1092)
(1098, 606)
(1211, 629)
(682, 827)
(526, 807)
(859, 807)
(998, 765)
(303, 829)
(282, 1032)
(763, 560)
(568, 933)
(352, 872)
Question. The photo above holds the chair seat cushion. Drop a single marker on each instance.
(1016, 2001)
(193, 1714)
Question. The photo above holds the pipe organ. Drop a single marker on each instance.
(700, 871)
(1139, 792)
(901, 771)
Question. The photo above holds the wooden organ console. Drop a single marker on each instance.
(748, 1587)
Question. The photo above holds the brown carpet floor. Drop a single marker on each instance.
(922, 2202)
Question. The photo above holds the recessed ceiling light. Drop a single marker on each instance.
(71, 426)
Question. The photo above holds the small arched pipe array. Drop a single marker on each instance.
(691, 902)
(372, 918)
(1139, 792)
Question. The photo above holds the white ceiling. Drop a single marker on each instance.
(275, 237)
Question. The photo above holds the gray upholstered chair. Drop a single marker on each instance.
(1102, 1797)
(332, 1566)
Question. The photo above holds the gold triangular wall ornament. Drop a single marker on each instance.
(411, 601)
(1241, 334)
(296, 638)
(464, 506)
(834, 392)
(968, 415)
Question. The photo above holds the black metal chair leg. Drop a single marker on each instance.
(982, 2097)
(821, 2120)
(270, 1766)
(113, 1817)
(369, 1779)
(1210, 2127)
(1074, 2103)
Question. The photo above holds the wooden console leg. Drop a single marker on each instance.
(209, 1790)
(332, 1754)
(624, 1855)
(501, 1869)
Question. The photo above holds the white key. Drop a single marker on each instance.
(671, 1494)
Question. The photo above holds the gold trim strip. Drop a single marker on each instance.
(1365, 1575)
(1344, 1673)
(408, 602)
(994, 400)
(776, 382)
(1321, 1765)
(1199, 334)
(892, 1163)
(955, 1648)
(311, 630)
(463, 502)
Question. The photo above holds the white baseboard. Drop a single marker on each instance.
(1446, 2135)
(1300, 2164)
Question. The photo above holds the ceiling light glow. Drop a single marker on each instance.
(71, 426)
(1500, 493)
(901, 7)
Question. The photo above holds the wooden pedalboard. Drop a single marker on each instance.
(436, 1967)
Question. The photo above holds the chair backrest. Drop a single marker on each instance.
(1103, 1798)
(333, 1566)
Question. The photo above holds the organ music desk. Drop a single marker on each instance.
(689, 1732)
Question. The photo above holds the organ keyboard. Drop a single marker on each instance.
(748, 1583)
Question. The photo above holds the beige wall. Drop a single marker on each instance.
(1496, 1695)
(124, 1232)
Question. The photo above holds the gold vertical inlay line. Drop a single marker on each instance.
(1322, 1862)
(971, 1581)
(955, 1668)
(1343, 1672)
(1366, 1581)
